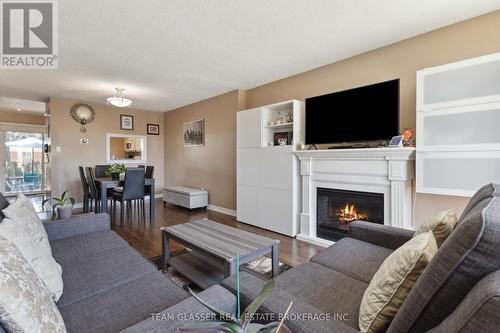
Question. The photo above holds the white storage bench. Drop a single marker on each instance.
(185, 196)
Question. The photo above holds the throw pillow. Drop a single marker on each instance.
(24, 214)
(25, 304)
(393, 281)
(441, 225)
(3, 204)
(47, 269)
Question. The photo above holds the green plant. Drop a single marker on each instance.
(228, 323)
(116, 168)
(63, 201)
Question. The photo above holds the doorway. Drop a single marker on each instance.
(23, 162)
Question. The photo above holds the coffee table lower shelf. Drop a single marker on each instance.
(198, 268)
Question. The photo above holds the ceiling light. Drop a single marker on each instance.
(19, 109)
(118, 100)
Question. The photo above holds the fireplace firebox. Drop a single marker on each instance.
(336, 209)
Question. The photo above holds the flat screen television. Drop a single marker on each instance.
(369, 113)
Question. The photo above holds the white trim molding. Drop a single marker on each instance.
(388, 171)
(222, 210)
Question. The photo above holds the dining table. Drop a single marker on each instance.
(107, 182)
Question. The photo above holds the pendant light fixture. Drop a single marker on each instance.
(118, 100)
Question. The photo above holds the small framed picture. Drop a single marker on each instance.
(281, 139)
(194, 133)
(126, 122)
(153, 129)
(396, 141)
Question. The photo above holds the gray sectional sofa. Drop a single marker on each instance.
(459, 290)
(110, 287)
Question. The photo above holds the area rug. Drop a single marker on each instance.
(261, 267)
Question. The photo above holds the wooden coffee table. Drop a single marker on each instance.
(214, 247)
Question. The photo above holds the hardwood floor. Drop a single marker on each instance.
(146, 236)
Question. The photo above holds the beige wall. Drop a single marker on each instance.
(65, 133)
(212, 166)
(472, 38)
(21, 117)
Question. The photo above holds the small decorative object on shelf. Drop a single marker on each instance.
(396, 141)
(64, 206)
(409, 137)
(114, 170)
(281, 139)
(82, 113)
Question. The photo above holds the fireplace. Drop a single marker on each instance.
(336, 209)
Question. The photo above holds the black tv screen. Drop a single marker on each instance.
(363, 114)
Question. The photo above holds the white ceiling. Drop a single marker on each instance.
(168, 54)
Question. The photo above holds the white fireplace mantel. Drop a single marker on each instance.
(388, 171)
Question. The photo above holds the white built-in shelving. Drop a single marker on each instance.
(458, 115)
(267, 174)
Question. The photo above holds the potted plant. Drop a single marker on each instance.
(64, 206)
(114, 170)
(242, 322)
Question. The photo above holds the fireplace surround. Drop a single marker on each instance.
(336, 209)
(385, 171)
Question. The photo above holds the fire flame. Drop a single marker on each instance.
(349, 214)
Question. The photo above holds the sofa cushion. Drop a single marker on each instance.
(357, 259)
(25, 303)
(46, 268)
(303, 317)
(470, 253)
(86, 244)
(170, 319)
(87, 276)
(125, 305)
(326, 290)
(393, 281)
(441, 225)
(24, 214)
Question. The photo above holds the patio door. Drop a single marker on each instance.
(23, 162)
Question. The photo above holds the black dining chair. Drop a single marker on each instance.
(100, 171)
(86, 191)
(133, 190)
(150, 169)
(94, 191)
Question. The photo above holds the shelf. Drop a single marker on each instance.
(280, 125)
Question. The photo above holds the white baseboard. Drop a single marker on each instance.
(222, 210)
(315, 240)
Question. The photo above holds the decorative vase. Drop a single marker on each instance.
(64, 212)
(115, 176)
(121, 176)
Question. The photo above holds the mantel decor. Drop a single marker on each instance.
(82, 113)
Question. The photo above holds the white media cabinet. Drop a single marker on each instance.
(268, 187)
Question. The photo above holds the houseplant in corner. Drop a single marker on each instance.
(64, 206)
(114, 170)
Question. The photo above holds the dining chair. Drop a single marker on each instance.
(150, 169)
(133, 189)
(94, 191)
(85, 188)
(100, 170)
